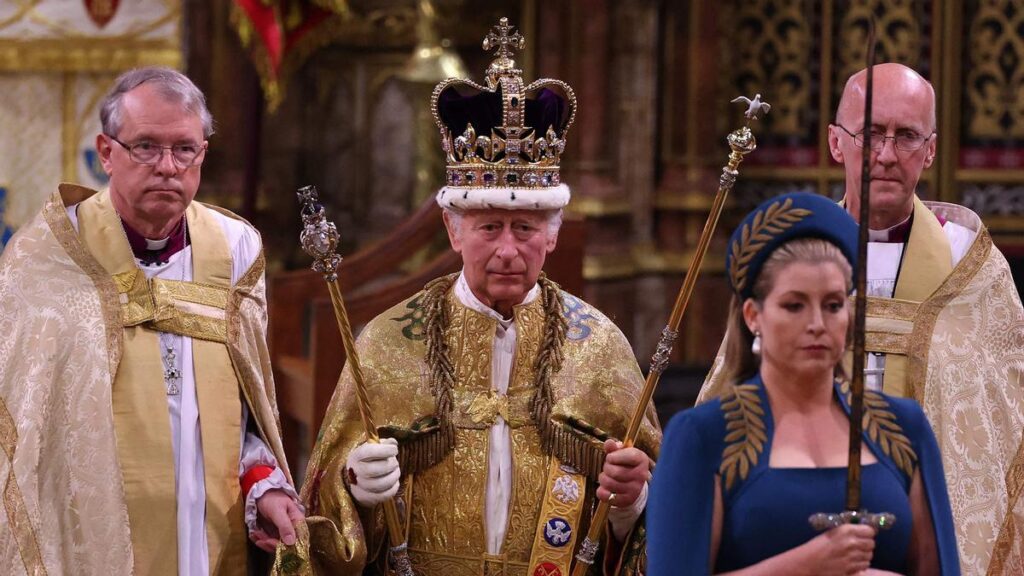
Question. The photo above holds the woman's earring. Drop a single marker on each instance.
(755, 346)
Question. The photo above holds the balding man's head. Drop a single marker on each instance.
(891, 80)
(903, 140)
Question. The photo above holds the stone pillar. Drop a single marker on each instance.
(635, 74)
(692, 154)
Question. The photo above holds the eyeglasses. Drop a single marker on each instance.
(148, 153)
(905, 141)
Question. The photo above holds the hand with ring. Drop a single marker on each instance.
(625, 472)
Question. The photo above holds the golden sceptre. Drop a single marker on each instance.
(741, 142)
(319, 239)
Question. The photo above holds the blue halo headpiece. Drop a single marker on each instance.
(779, 220)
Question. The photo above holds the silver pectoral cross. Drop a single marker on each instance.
(172, 375)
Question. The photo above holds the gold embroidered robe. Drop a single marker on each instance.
(954, 341)
(67, 321)
(594, 393)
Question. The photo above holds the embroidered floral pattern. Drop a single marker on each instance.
(577, 314)
(414, 328)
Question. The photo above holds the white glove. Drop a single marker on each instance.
(372, 472)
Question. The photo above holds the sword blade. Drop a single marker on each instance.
(860, 303)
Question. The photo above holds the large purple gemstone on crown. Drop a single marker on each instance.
(460, 105)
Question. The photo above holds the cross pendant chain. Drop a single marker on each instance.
(172, 375)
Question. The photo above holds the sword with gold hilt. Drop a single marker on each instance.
(853, 513)
(741, 142)
(319, 239)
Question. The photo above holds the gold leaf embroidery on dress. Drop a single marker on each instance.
(882, 428)
(745, 432)
(880, 424)
(767, 223)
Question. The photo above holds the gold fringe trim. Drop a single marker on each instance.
(428, 449)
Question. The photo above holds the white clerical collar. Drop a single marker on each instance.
(469, 300)
(157, 244)
(887, 234)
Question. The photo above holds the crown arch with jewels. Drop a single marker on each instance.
(503, 142)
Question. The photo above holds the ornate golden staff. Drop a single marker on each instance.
(319, 239)
(741, 142)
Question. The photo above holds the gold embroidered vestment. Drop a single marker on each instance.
(594, 392)
(87, 460)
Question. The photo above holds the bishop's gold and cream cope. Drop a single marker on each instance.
(127, 487)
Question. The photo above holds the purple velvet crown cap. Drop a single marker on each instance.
(483, 111)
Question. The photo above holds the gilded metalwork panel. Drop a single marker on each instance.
(994, 199)
(773, 52)
(994, 72)
(903, 35)
(750, 193)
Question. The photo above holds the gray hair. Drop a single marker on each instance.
(552, 217)
(169, 83)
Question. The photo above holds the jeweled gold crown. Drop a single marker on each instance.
(503, 142)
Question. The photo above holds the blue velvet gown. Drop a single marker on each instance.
(766, 509)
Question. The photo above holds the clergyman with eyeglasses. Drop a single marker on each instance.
(137, 406)
(945, 324)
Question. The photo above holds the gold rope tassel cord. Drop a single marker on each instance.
(559, 440)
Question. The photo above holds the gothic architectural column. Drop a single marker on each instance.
(695, 116)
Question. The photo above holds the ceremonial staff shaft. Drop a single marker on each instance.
(853, 514)
(741, 142)
(319, 239)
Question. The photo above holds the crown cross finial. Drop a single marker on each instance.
(499, 37)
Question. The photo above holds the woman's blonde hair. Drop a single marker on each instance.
(740, 363)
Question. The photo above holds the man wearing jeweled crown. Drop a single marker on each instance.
(499, 397)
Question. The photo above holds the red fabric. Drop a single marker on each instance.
(264, 22)
(254, 475)
(279, 39)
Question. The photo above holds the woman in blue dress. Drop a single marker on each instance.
(739, 476)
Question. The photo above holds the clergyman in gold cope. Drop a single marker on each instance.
(137, 408)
